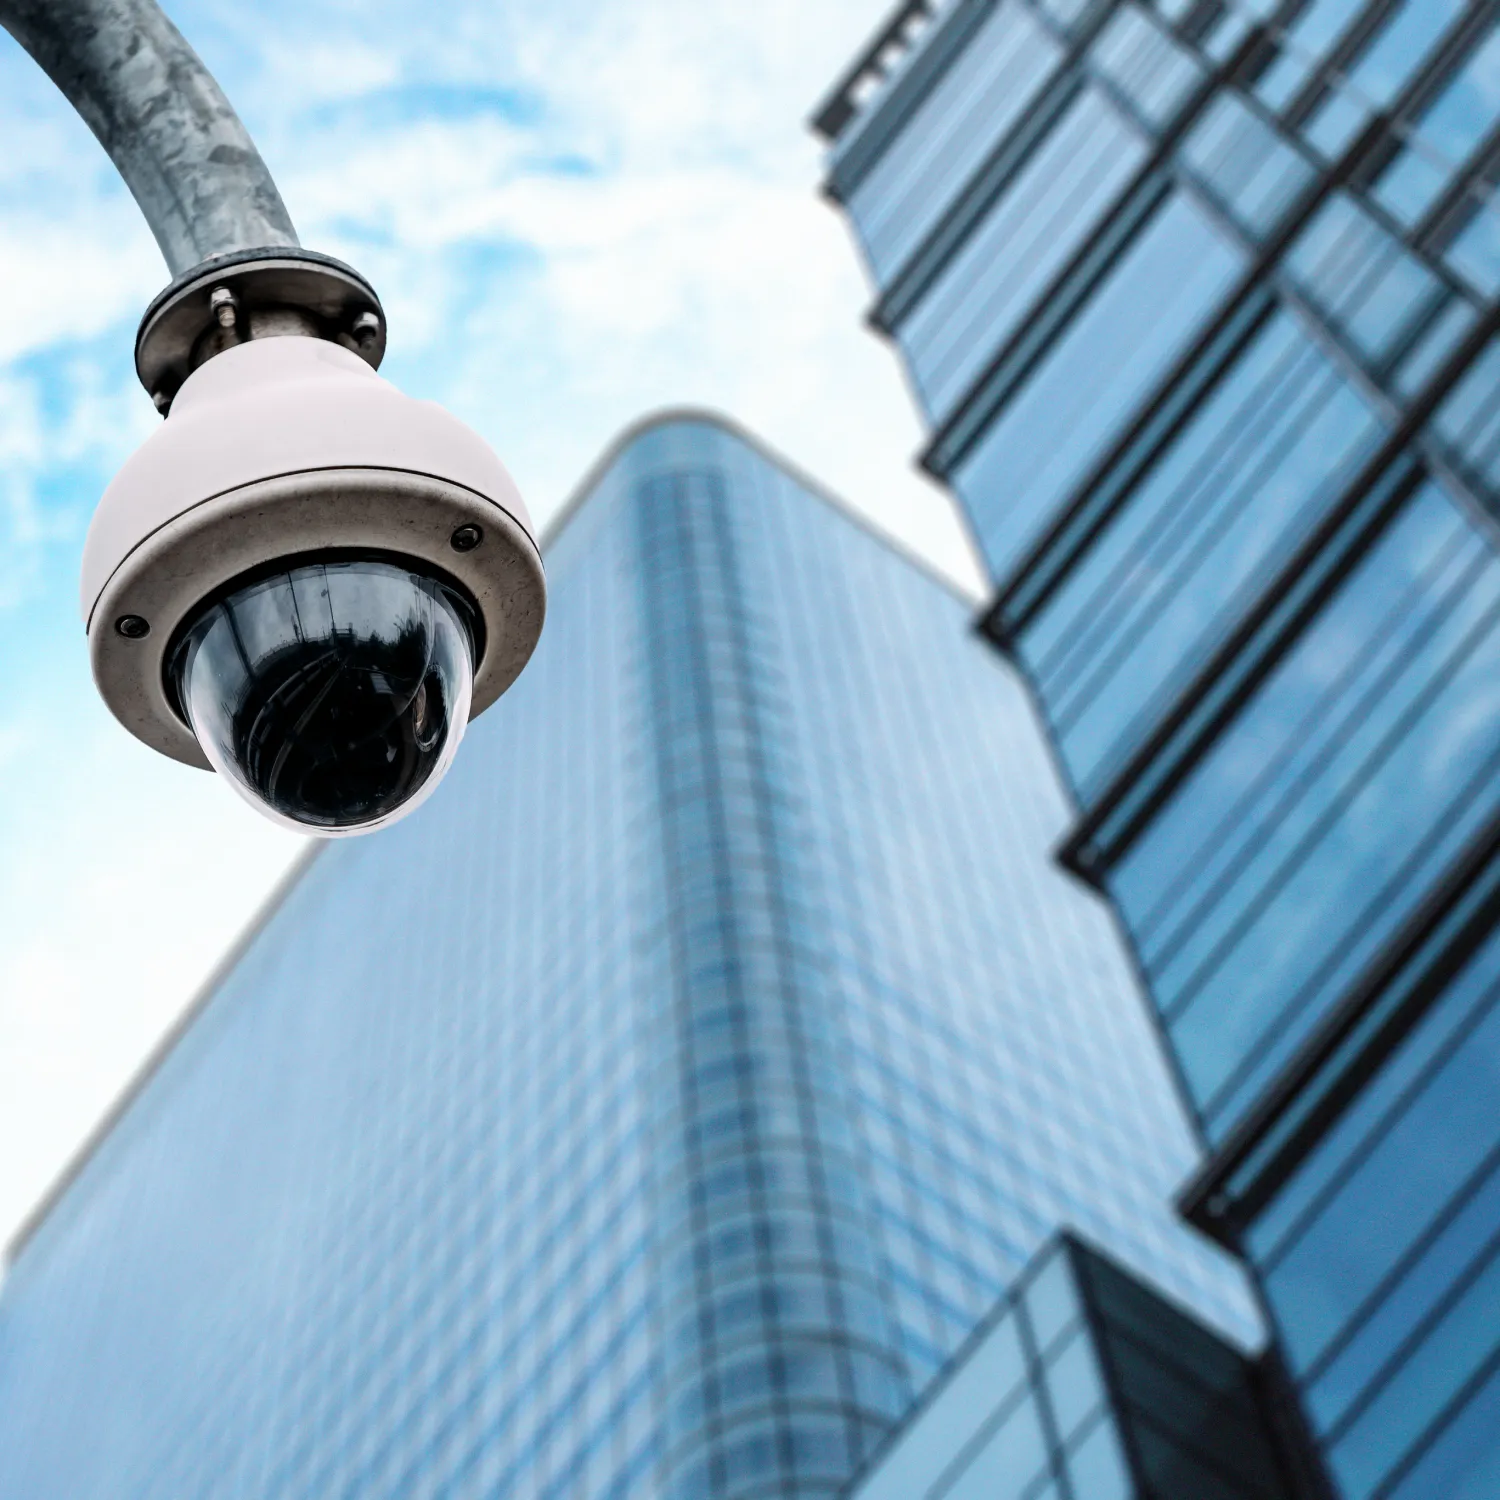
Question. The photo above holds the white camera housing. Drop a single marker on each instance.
(293, 447)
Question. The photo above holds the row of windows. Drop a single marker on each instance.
(991, 283)
(1195, 548)
(1082, 395)
(1262, 459)
(1382, 1260)
(988, 87)
(1326, 810)
(767, 1456)
(996, 275)
(1381, 45)
(795, 1373)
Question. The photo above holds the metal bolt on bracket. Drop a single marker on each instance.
(225, 306)
(366, 328)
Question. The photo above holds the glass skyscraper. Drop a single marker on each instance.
(656, 1111)
(1199, 299)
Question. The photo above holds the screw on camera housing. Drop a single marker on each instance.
(133, 627)
(366, 330)
(466, 538)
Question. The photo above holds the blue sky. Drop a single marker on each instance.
(575, 211)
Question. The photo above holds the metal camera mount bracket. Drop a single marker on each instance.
(249, 294)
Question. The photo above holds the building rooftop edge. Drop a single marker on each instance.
(840, 106)
(668, 416)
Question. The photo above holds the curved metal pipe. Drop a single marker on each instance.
(162, 118)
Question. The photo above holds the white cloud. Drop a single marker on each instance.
(71, 275)
(99, 420)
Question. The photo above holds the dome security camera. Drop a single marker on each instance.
(304, 580)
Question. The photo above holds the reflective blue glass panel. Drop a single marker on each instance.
(1000, 71)
(1147, 435)
(1382, 1257)
(1322, 814)
(1371, 289)
(1245, 164)
(1084, 390)
(1444, 136)
(1039, 222)
(1392, 50)
(1305, 41)
(1155, 75)
(1269, 451)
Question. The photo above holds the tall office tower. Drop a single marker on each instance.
(1199, 298)
(659, 1108)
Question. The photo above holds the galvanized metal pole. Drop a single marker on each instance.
(163, 120)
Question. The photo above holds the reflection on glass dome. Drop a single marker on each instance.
(332, 695)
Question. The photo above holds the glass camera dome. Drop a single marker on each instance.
(331, 695)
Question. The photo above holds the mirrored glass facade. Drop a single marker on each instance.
(662, 1105)
(1199, 298)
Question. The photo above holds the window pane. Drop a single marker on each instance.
(1464, 1461)
(1089, 384)
(1444, 136)
(1007, 1462)
(1246, 163)
(1362, 278)
(1270, 449)
(1037, 224)
(1052, 1301)
(1153, 72)
(1475, 254)
(1400, 1225)
(1464, 112)
(1469, 420)
(1429, 1375)
(1399, 49)
(1327, 808)
(1346, 1137)
(1097, 1467)
(1316, 27)
(984, 91)
(1074, 1383)
(1434, 1274)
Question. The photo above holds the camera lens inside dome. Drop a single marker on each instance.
(333, 695)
